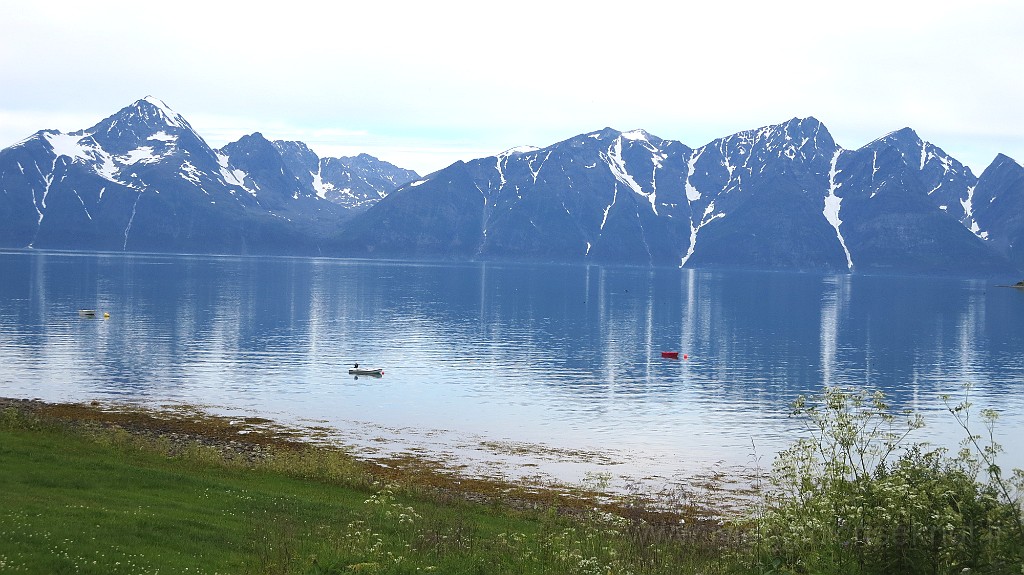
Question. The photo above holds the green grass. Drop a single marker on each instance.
(96, 500)
(182, 493)
(74, 506)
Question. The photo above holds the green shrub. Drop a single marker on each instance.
(856, 497)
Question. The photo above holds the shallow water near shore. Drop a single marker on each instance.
(512, 370)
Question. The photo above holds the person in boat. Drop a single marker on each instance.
(356, 366)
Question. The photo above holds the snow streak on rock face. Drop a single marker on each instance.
(613, 157)
(707, 217)
(166, 114)
(233, 176)
(949, 183)
(832, 206)
(353, 182)
(721, 175)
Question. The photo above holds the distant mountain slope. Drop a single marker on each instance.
(784, 196)
(354, 182)
(144, 180)
(997, 201)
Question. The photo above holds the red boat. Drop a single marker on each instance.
(670, 354)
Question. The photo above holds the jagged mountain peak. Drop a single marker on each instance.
(923, 155)
(804, 144)
(363, 160)
(812, 129)
(1002, 161)
(604, 134)
(604, 139)
(291, 146)
(796, 133)
(255, 147)
(808, 124)
(907, 141)
(906, 132)
(637, 134)
(298, 156)
(147, 124)
(649, 140)
(355, 182)
(255, 138)
(902, 138)
(171, 117)
(517, 150)
(148, 113)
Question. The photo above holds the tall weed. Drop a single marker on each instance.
(857, 497)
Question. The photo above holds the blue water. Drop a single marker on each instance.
(480, 359)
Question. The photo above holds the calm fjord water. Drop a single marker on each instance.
(482, 359)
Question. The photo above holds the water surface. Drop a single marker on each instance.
(482, 359)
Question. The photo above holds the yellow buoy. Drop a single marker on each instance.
(106, 315)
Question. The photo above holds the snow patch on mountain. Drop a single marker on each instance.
(170, 116)
(501, 161)
(319, 185)
(608, 208)
(107, 169)
(618, 168)
(518, 150)
(692, 194)
(67, 145)
(499, 165)
(708, 217)
(163, 136)
(832, 206)
(85, 150)
(541, 166)
(77, 195)
(968, 205)
(636, 135)
(232, 176)
(142, 155)
(191, 173)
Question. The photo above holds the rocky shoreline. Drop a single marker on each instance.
(253, 441)
(232, 441)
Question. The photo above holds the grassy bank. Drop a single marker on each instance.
(92, 491)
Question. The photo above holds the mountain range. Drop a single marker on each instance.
(144, 180)
(784, 196)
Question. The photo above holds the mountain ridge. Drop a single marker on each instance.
(143, 179)
(876, 208)
(782, 196)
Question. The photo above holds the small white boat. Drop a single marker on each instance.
(87, 313)
(371, 371)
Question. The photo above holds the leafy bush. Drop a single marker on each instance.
(857, 497)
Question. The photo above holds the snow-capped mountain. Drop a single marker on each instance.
(997, 202)
(782, 196)
(355, 182)
(143, 179)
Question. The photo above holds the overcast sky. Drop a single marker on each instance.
(422, 84)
